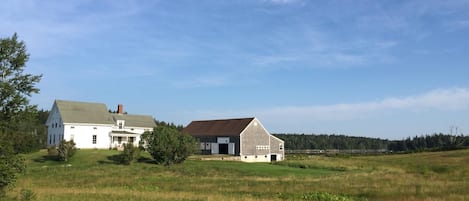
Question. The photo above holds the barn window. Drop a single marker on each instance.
(280, 146)
(94, 139)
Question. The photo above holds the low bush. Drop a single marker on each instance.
(323, 196)
(129, 154)
(66, 150)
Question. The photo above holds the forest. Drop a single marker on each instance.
(434, 142)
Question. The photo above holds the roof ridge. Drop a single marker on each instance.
(252, 118)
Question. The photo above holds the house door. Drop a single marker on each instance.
(223, 148)
(273, 157)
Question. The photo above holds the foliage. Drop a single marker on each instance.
(16, 86)
(168, 146)
(323, 196)
(17, 116)
(170, 125)
(66, 150)
(27, 195)
(341, 142)
(433, 142)
(129, 154)
(11, 164)
(302, 141)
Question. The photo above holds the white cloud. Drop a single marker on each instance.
(387, 116)
(439, 99)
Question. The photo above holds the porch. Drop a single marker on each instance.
(119, 138)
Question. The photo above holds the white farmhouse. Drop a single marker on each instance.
(91, 125)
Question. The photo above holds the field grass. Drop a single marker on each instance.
(93, 175)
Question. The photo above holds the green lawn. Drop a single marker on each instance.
(93, 175)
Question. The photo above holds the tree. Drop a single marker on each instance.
(17, 117)
(16, 87)
(168, 146)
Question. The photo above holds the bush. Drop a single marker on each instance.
(27, 195)
(167, 146)
(66, 150)
(129, 154)
(323, 196)
(10, 165)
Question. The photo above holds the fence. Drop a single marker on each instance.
(337, 151)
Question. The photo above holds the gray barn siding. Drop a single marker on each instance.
(274, 146)
(253, 136)
(211, 139)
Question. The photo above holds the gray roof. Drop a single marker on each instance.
(135, 120)
(218, 127)
(97, 113)
(83, 112)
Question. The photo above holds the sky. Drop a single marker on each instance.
(386, 69)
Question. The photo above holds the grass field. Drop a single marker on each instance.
(93, 175)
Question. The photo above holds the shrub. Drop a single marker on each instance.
(129, 154)
(27, 195)
(323, 196)
(168, 146)
(10, 165)
(66, 150)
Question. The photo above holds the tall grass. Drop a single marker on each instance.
(94, 175)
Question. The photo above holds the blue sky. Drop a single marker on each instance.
(387, 69)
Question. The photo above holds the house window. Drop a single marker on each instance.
(50, 139)
(95, 128)
(280, 146)
(131, 139)
(94, 139)
(72, 127)
(121, 123)
(119, 140)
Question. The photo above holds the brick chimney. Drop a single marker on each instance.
(120, 109)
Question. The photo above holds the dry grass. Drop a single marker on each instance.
(94, 176)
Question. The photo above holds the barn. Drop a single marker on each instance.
(243, 137)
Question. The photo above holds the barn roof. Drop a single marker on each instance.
(221, 127)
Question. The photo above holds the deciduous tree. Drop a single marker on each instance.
(168, 146)
(16, 87)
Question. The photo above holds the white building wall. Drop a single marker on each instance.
(82, 135)
(255, 158)
(55, 129)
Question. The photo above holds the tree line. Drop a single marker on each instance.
(437, 141)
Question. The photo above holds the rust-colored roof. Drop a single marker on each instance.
(221, 127)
